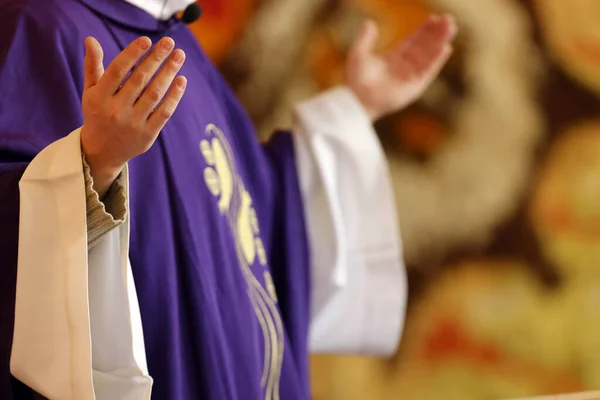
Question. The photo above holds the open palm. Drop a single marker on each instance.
(387, 82)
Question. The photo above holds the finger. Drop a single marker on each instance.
(436, 26)
(159, 85)
(439, 63)
(422, 55)
(164, 112)
(403, 55)
(451, 26)
(439, 30)
(120, 67)
(403, 64)
(92, 64)
(366, 40)
(426, 45)
(405, 70)
(408, 42)
(145, 70)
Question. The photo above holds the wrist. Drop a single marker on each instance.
(102, 176)
(374, 113)
(103, 179)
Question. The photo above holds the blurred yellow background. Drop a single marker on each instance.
(497, 177)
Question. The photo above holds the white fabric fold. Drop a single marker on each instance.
(70, 342)
(359, 287)
(161, 9)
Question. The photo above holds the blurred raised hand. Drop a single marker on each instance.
(385, 83)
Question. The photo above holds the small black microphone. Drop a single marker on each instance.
(192, 13)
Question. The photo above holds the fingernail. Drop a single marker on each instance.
(144, 43)
(167, 43)
(178, 56)
(181, 83)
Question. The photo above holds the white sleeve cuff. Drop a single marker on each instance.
(359, 285)
(77, 332)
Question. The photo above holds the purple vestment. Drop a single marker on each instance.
(216, 218)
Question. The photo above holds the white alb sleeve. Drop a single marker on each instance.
(359, 287)
(78, 332)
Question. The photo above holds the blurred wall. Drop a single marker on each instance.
(497, 177)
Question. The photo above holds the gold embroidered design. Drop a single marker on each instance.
(260, 251)
(235, 204)
(270, 285)
(245, 233)
(212, 181)
(207, 152)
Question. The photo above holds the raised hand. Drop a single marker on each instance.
(125, 108)
(385, 83)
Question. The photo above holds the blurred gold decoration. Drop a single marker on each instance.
(572, 32)
(420, 132)
(565, 209)
(490, 326)
(484, 330)
(398, 19)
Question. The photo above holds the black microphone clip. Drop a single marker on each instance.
(192, 13)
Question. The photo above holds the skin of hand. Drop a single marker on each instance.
(122, 108)
(386, 83)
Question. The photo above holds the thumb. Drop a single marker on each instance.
(93, 68)
(366, 39)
